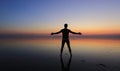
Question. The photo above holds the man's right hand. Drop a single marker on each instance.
(52, 33)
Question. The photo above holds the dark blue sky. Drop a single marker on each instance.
(36, 15)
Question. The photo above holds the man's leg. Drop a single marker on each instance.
(62, 46)
(68, 44)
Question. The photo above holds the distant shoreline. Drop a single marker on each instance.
(32, 36)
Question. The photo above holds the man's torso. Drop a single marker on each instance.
(65, 33)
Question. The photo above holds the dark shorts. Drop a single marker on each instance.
(65, 40)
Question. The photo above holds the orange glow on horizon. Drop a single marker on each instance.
(48, 30)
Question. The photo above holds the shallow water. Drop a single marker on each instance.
(43, 55)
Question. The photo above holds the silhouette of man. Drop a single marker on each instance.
(65, 37)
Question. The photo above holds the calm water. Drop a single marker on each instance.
(43, 55)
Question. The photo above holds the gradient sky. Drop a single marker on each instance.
(46, 16)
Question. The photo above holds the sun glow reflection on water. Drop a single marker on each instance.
(91, 51)
(78, 46)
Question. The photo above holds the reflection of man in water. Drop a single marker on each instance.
(65, 37)
(65, 67)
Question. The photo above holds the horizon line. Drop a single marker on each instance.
(32, 36)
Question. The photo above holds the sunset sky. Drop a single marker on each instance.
(46, 16)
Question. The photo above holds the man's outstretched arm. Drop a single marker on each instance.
(75, 32)
(56, 32)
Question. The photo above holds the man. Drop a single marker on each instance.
(65, 37)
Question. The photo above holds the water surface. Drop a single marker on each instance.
(43, 55)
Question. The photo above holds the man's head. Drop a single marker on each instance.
(65, 25)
